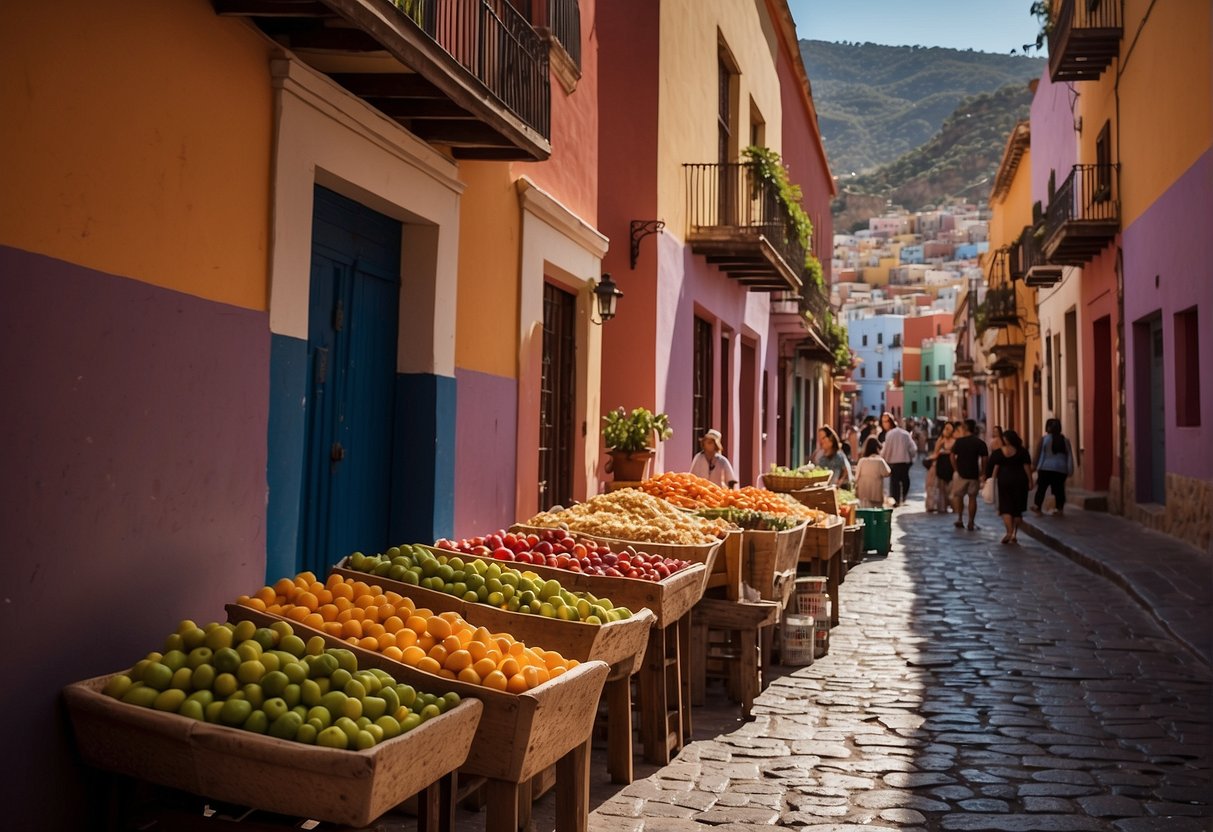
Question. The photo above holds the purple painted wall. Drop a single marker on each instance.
(1054, 142)
(1171, 240)
(486, 417)
(132, 496)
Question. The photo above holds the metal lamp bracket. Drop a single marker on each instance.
(640, 230)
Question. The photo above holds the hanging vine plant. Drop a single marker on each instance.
(770, 168)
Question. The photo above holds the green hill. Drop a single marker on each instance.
(875, 103)
(958, 162)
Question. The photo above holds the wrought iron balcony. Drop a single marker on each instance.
(1084, 215)
(1084, 37)
(471, 75)
(963, 367)
(737, 221)
(1028, 261)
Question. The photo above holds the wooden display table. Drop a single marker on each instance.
(745, 622)
(261, 772)
(519, 736)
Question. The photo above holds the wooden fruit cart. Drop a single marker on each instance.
(665, 704)
(221, 763)
(519, 735)
(621, 644)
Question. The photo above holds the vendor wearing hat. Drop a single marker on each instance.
(711, 463)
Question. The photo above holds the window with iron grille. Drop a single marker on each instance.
(557, 394)
(701, 404)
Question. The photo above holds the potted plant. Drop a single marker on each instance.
(627, 437)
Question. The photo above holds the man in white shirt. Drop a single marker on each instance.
(711, 463)
(899, 450)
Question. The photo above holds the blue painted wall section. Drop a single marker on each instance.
(423, 458)
(287, 424)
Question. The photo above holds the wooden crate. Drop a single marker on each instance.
(729, 569)
(669, 599)
(520, 734)
(350, 788)
(852, 545)
(618, 643)
(821, 497)
(821, 542)
(705, 553)
(769, 554)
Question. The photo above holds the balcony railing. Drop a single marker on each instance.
(1001, 309)
(564, 22)
(471, 74)
(1084, 37)
(738, 222)
(1083, 216)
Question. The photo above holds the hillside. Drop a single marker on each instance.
(875, 103)
(958, 162)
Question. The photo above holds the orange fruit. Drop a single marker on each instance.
(342, 603)
(438, 653)
(333, 628)
(531, 675)
(478, 650)
(393, 652)
(266, 594)
(517, 684)
(428, 665)
(368, 643)
(329, 611)
(357, 614)
(393, 624)
(484, 667)
(308, 577)
(446, 674)
(496, 680)
(458, 660)
(450, 617)
(509, 667)
(385, 640)
(416, 623)
(393, 597)
(342, 590)
(364, 601)
(307, 599)
(255, 603)
(468, 675)
(352, 628)
(406, 637)
(284, 586)
(412, 655)
(314, 620)
(438, 627)
(557, 671)
(372, 629)
(452, 643)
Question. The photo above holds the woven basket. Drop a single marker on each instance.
(798, 640)
(784, 483)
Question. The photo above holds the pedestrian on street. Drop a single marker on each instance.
(1054, 463)
(869, 427)
(711, 463)
(870, 473)
(898, 450)
(829, 455)
(1011, 468)
(969, 454)
(941, 469)
(850, 443)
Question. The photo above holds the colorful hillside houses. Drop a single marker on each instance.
(287, 280)
(1099, 219)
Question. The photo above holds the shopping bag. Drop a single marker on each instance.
(987, 491)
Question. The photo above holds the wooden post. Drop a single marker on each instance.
(573, 790)
(654, 701)
(619, 729)
(501, 806)
(436, 805)
(682, 670)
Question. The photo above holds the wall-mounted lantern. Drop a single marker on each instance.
(607, 294)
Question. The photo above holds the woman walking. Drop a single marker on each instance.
(941, 467)
(1011, 467)
(870, 474)
(1054, 463)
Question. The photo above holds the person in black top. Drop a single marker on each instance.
(869, 425)
(1011, 466)
(969, 455)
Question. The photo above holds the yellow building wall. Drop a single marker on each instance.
(153, 164)
(487, 304)
(1014, 210)
(1166, 99)
(687, 94)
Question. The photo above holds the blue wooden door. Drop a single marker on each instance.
(352, 336)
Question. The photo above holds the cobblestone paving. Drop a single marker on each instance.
(971, 686)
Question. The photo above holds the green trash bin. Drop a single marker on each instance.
(877, 529)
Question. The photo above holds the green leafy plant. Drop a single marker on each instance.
(770, 168)
(631, 432)
(1042, 10)
(835, 336)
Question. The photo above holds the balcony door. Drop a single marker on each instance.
(701, 397)
(747, 427)
(557, 398)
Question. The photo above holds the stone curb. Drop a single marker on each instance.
(1103, 569)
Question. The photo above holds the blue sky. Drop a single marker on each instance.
(984, 25)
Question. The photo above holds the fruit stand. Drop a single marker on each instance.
(519, 735)
(230, 764)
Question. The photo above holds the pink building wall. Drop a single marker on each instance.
(1054, 147)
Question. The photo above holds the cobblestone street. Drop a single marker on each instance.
(970, 686)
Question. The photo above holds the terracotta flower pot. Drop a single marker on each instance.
(629, 466)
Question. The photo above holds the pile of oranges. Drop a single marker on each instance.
(389, 623)
(692, 492)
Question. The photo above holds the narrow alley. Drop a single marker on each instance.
(971, 686)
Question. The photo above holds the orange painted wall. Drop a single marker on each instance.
(486, 337)
(154, 163)
(570, 174)
(1166, 99)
